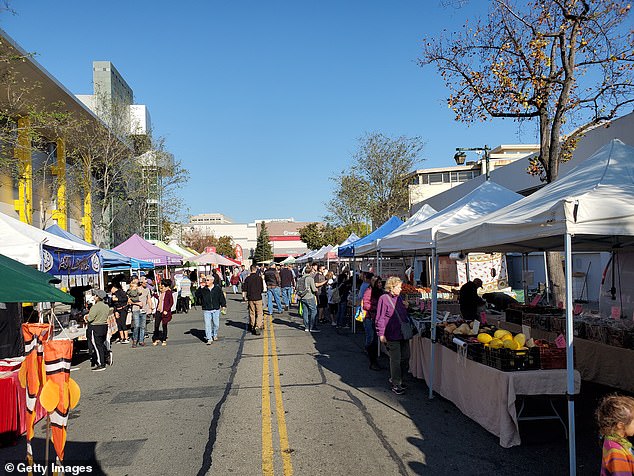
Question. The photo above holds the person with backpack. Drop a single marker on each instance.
(307, 294)
(253, 288)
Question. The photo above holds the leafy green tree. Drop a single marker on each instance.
(225, 246)
(263, 250)
(374, 186)
(312, 235)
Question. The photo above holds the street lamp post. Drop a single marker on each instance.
(461, 156)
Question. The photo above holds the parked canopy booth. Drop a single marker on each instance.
(589, 209)
(73, 263)
(20, 283)
(137, 247)
(349, 250)
(111, 261)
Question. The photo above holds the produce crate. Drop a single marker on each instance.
(549, 358)
(475, 351)
(579, 328)
(514, 315)
(558, 324)
(618, 336)
(509, 360)
(596, 331)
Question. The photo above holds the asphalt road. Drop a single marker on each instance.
(285, 402)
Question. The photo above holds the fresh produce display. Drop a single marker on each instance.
(500, 348)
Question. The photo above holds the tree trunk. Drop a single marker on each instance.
(556, 278)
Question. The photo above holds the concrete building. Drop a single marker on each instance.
(210, 218)
(41, 194)
(425, 183)
(112, 100)
(283, 233)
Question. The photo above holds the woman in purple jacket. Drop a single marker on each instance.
(390, 313)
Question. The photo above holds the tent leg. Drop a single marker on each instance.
(354, 293)
(570, 368)
(524, 271)
(547, 283)
(434, 308)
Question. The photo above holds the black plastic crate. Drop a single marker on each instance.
(508, 360)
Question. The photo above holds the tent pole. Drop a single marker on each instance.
(354, 291)
(570, 367)
(434, 308)
(524, 271)
(547, 283)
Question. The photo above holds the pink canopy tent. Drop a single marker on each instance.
(137, 247)
(213, 258)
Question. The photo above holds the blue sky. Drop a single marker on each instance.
(264, 101)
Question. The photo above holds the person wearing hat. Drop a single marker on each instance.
(97, 319)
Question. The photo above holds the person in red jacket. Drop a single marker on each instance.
(163, 312)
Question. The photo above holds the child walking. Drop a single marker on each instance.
(615, 416)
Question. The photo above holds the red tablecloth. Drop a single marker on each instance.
(13, 408)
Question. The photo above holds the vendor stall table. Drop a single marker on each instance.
(13, 408)
(596, 362)
(484, 394)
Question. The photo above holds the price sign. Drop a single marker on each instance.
(616, 312)
(444, 319)
(577, 310)
(536, 300)
(476, 327)
(526, 330)
(560, 341)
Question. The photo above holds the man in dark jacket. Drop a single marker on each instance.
(253, 288)
(288, 280)
(469, 299)
(273, 282)
(212, 300)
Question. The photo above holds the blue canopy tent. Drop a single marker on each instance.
(110, 260)
(348, 251)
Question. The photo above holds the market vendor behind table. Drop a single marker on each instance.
(470, 302)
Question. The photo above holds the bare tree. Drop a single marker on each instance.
(375, 185)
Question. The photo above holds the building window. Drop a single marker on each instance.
(435, 178)
(415, 180)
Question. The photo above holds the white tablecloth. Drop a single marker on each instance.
(484, 394)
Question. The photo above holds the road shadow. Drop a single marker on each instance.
(237, 324)
(292, 324)
(76, 453)
(198, 333)
(446, 431)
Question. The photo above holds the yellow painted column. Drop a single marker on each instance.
(86, 220)
(24, 204)
(61, 213)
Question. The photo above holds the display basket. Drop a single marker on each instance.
(508, 360)
(558, 324)
(475, 351)
(619, 336)
(549, 358)
(596, 331)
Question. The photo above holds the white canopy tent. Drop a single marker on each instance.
(481, 201)
(309, 254)
(424, 213)
(323, 252)
(485, 199)
(590, 208)
(23, 242)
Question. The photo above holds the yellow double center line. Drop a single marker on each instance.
(267, 432)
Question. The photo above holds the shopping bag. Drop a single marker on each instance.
(293, 298)
(359, 315)
(301, 309)
(128, 318)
